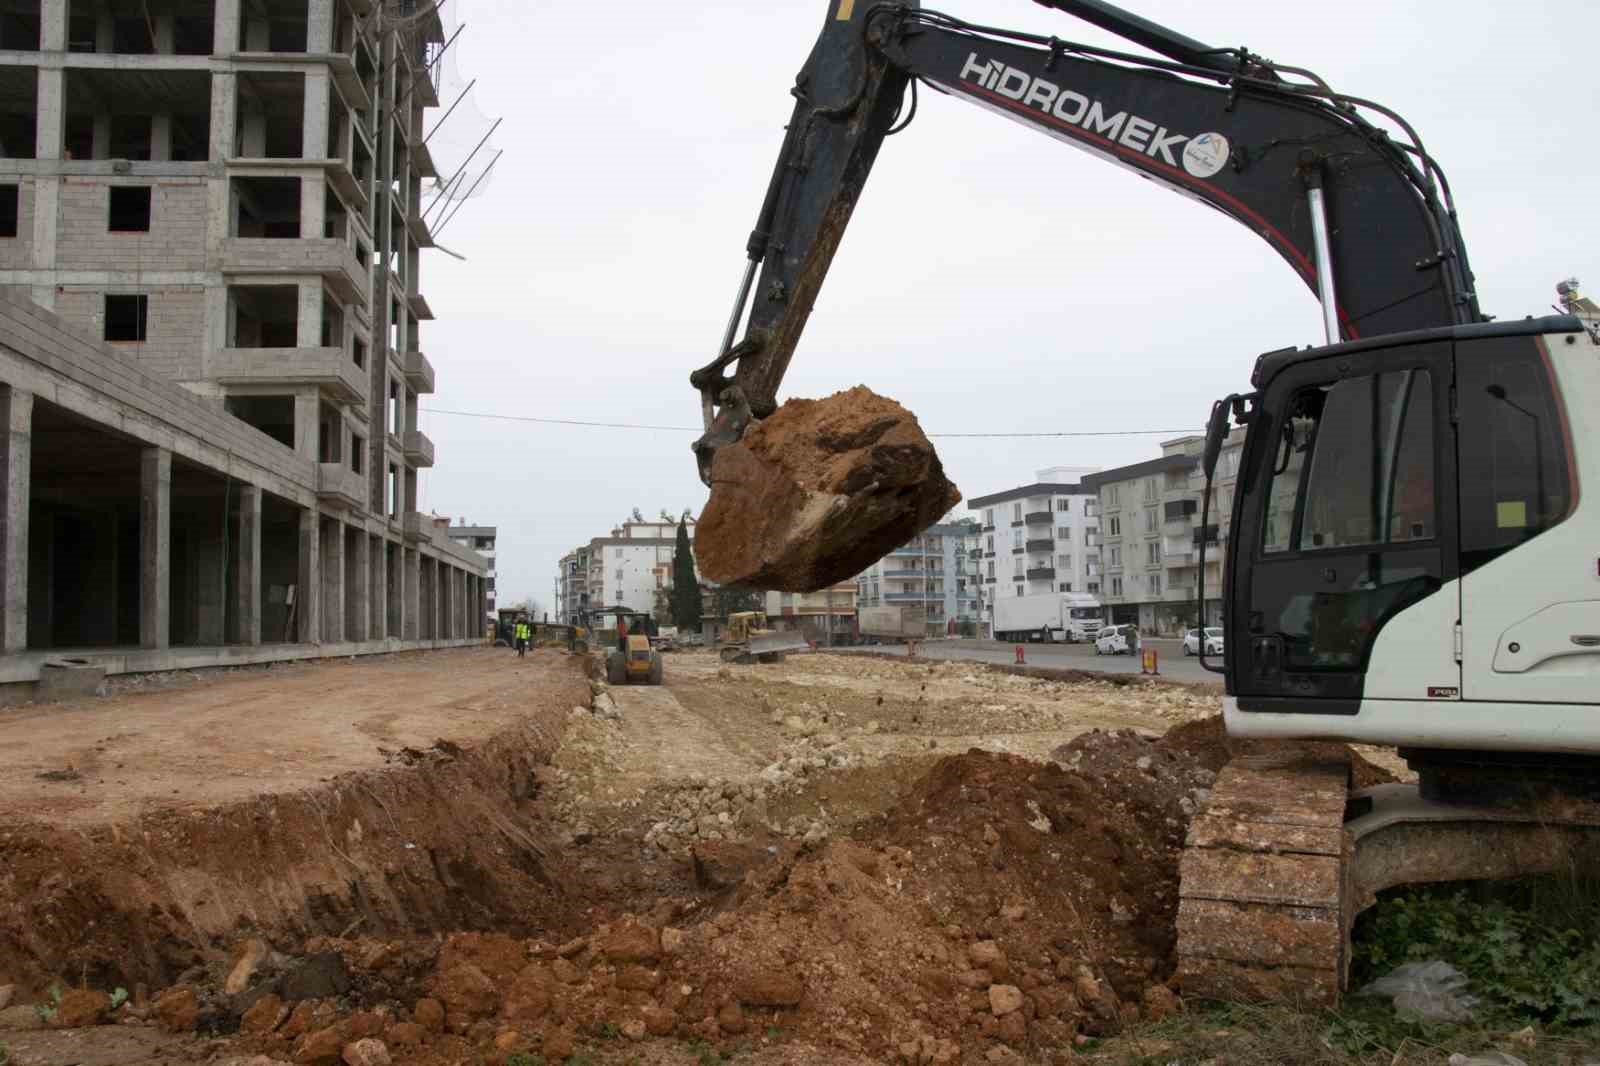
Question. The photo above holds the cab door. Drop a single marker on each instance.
(1344, 588)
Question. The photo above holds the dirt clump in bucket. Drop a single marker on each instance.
(818, 491)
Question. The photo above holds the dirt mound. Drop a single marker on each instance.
(817, 492)
(436, 840)
(1207, 741)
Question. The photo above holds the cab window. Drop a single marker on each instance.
(1355, 466)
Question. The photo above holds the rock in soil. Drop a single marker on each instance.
(819, 491)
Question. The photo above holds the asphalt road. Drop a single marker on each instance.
(1170, 658)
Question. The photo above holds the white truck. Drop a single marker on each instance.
(894, 623)
(1049, 617)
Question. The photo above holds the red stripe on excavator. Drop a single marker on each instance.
(1306, 268)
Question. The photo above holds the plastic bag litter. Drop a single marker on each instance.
(1488, 1058)
(1433, 991)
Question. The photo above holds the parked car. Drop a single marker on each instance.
(1191, 641)
(1113, 640)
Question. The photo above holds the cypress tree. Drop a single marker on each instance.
(685, 589)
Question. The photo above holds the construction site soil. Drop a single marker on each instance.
(828, 859)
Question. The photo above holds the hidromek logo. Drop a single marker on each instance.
(1202, 156)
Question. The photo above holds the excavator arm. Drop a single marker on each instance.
(1364, 218)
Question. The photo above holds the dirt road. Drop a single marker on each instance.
(228, 736)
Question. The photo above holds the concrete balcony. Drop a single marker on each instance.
(1043, 544)
(1037, 518)
(915, 575)
(330, 369)
(418, 448)
(337, 484)
(414, 526)
(419, 306)
(1041, 573)
(418, 229)
(328, 257)
(419, 372)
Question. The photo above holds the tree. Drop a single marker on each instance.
(731, 599)
(685, 588)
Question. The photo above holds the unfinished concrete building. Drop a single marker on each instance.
(212, 436)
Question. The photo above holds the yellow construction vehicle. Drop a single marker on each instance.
(638, 662)
(747, 640)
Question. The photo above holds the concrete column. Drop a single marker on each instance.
(16, 456)
(307, 412)
(50, 118)
(224, 108)
(102, 138)
(332, 582)
(377, 588)
(308, 328)
(161, 138)
(225, 23)
(411, 602)
(166, 43)
(49, 133)
(247, 571)
(359, 590)
(53, 26)
(308, 627)
(251, 131)
(155, 547)
(319, 26)
(257, 34)
(314, 128)
(105, 32)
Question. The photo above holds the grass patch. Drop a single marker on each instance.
(1531, 948)
(1359, 1033)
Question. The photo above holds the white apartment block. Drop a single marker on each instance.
(1150, 526)
(1043, 537)
(625, 569)
(480, 539)
(937, 570)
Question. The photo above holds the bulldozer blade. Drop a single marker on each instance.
(778, 642)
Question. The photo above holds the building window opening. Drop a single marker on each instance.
(358, 454)
(336, 222)
(397, 420)
(19, 27)
(330, 433)
(193, 35)
(264, 316)
(266, 207)
(8, 210)
(129, 209)
(332, 323)
(274, 26)
(133, 36)
(272, 415)
(358, 353)
(131, 137)
(271, 116)
(126, 315)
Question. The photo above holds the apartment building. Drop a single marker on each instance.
(625, 569)
(480, 539)
(222, 198)
(1151, 533)
(1038, 538)
(937, 570)
(826, 616)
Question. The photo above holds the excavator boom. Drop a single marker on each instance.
(1361, 217)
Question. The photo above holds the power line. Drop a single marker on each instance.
(696, 429)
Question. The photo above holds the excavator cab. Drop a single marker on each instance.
(1382, 567)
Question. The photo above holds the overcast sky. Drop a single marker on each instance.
(993, 280)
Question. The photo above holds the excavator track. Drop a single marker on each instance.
(1262, 912)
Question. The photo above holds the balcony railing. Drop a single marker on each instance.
(418, 448)
(1043, 544)
(339, 485)
(912, 597)
(1041, 573)
(1037, 518)
(330, 369)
